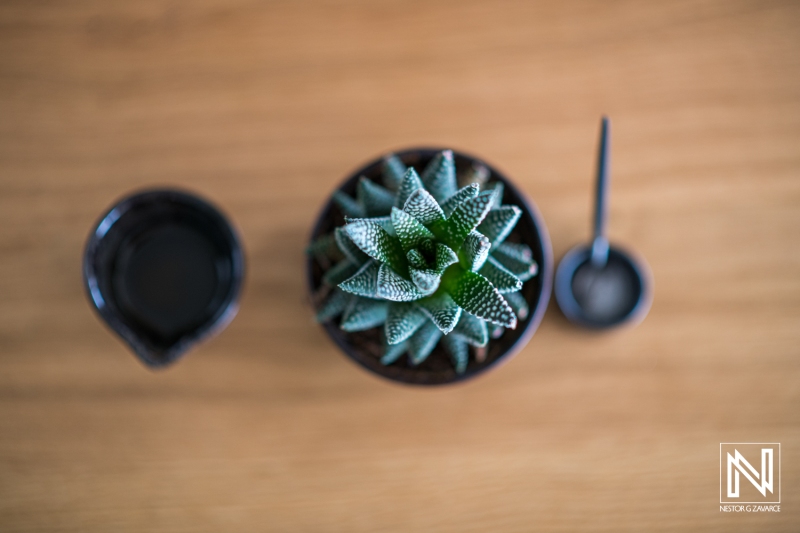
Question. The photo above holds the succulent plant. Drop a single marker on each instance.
(426, 260)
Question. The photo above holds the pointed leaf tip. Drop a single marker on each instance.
(477, 296)
(402, 321)
(439, 177)
(376, 200)
(410, 183)
(422, 206)
(410, 232)
(465, 193)
(373, 240)
(393, 172)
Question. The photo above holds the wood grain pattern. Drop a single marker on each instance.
(264, 107)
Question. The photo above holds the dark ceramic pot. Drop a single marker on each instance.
(364, 347)
(164, 269)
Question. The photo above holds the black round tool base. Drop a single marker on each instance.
(613, 295)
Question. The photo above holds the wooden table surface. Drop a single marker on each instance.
(264, 107)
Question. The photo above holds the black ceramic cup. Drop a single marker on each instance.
(363, 346)
(163, 268)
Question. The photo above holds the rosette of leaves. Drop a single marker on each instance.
(426, 260)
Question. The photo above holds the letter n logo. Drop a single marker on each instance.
(749, 472)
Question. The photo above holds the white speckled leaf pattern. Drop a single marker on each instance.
(393, 172)
(425, 259)
(349, 248)
(503, 280)
(378, 244)
(377, 200)
(393, 287)
(475, 251)
(426, 280)
(465, 193)
(415, 259)
(444, 257)
(365, 281)
(472, 329)
(499, 223)
(442, 310)
(439, 177)
(517, 258)
(421, 344)
(422, 206)
(476, 295)
(402, 321)
(458, 350)
(363, 313)
(384, 222)
(464, 219)
(410, 232)
(410, 183)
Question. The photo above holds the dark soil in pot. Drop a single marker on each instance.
(365, 347)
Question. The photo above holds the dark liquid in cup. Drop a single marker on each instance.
(167, 279)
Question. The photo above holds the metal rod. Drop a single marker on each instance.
(600, 241)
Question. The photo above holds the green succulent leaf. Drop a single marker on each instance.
(444, 257)
(465, 193)
(348, 248)
(464, 219)
(334, 305)
(472, 329)
(410, 232)
(393, 172)
(503, 280)
(499, 223)
(392, 352)
(349, 207)
(323, 247)
(458, 350)
(477, 296)
(364, 313)
(402, 321)
(499, 190)
(393, 287)
(339, 272)
(443, 311)
(426, 280)
(373, 240)
(377, 200)
(518, 303)
(422, 206)
(475, 251)
(439, 177)
(416, 259)
(517, 258)
(384, 222)
(365, 281)
(410, 183)
(422, 343)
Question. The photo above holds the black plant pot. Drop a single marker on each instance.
(365, 348)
